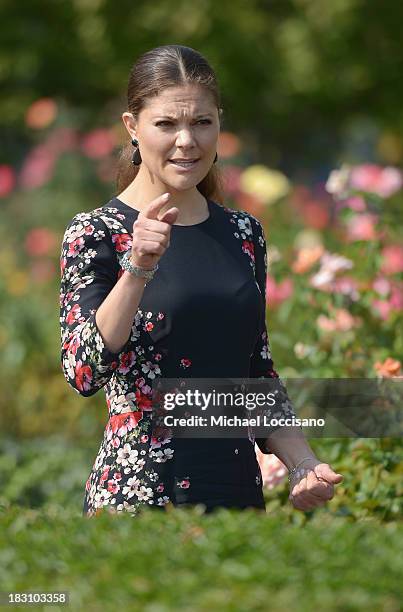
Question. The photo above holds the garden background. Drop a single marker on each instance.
(312, 145)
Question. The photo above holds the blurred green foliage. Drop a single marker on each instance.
(297, 76)
(185, 561)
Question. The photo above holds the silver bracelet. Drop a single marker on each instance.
(294, 469)
(126, 264)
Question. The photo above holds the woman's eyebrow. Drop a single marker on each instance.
(172, 117)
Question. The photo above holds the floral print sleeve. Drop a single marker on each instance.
(261, 364)
(89, 269)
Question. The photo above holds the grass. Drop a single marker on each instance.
(185, 560)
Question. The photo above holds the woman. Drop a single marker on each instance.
(163, 281)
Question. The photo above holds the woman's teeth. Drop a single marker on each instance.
(184, 164)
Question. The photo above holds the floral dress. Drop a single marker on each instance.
(201, 316)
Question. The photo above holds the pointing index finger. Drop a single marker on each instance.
(152, 210)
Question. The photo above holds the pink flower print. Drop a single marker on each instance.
(184, 484)
(160, 487)
(140, 381)
(72, 345)
(75, 247)
(142, 401)
(74, 314)
(83, 376)
(157, 357)
(122, 242)
(144, 438)
(113, 486)
(185, 363)
(149, 326)
(126, 362)
(116, 442)
(160, 316)
(249, 248)
(122, 423)
(104, 475)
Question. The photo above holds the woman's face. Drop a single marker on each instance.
(179, 123)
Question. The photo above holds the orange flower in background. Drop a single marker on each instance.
(306, 258)
(228, 144)
(390, 368)
(40, 241)
(41, 113)
(250, 203)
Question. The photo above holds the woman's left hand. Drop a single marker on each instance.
(312, 485)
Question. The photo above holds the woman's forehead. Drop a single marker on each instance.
(181, 102)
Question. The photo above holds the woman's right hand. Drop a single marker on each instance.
(151, 235)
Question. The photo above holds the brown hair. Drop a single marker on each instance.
(168, 66)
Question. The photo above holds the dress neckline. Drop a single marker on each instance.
(122, 204)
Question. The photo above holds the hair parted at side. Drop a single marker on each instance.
(161, 67)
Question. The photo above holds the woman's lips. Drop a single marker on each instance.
(184, 165)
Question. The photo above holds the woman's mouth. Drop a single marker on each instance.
(184, 165)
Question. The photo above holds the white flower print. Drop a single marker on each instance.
(144, 493)
(127, 455)
(131, 487)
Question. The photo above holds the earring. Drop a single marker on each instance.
(215, 159)
(136, 159)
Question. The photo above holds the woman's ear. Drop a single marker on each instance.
(130, 124)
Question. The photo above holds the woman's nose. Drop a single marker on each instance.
(185, 137)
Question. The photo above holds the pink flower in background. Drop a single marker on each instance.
(276, 293)
(40, 241)
(38, 167)
(347, 286)
(7, 180)
(343, 321)
(273, 470)
(62, 139)
(98, 143)
(231, 178)
(356, 203)
(392, 259)
(42, 270)
(382, 308)
(374, 179)
(381, 285)
(330, 265)
(396, 296)
(362, 227)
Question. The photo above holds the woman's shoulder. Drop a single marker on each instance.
(105, 218)
(244, 220)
